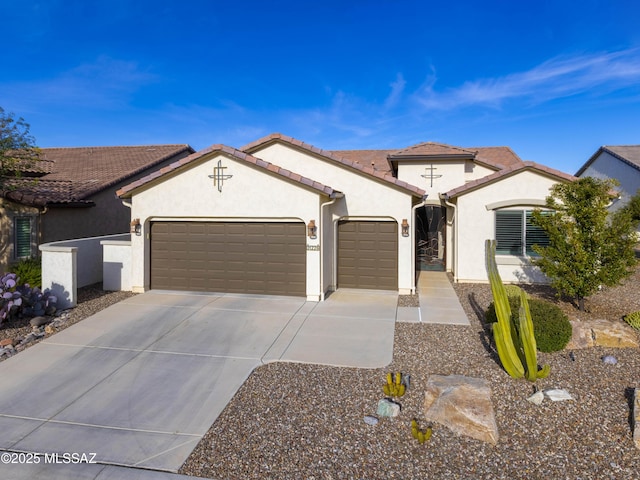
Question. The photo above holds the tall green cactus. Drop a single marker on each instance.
(516, 345)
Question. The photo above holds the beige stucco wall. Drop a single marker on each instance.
(448, 174)
(251, 193)
(364, 198)
(475, 222)
(8, 211)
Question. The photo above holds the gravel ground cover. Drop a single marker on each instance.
(306, 421)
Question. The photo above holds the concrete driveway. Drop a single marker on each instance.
(141, 382)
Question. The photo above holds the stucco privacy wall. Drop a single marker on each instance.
(475, 223)
(71, 264)
(364, 198)
(250, 193)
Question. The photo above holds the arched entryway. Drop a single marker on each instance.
(430, 225)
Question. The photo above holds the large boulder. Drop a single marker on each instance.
(462, 404)
(602, 333)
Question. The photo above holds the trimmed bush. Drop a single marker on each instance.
(29, 271)
(551, 326)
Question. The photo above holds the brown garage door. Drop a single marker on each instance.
(263, 258)
(368, 255)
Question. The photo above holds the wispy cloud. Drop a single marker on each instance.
(103, 83)
(397, 88)
(557, 78)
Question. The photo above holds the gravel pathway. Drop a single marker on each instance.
(306, 421)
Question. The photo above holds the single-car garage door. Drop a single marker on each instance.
(368, 255)
(232, 257)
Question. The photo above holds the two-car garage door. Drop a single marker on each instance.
(232, 257)
(267, 258)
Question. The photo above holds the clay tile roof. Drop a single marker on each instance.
(386, 177)
(500, 157)
(127, 190)
(377, 159)
(434, 149)
(507, 172)
(496, 158)
(73, 175)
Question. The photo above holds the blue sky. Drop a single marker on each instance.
(552, 79)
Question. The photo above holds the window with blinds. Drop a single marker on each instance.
(22, 245)
(516, 235)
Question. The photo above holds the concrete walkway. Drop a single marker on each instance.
(141, 382)
(438, 302)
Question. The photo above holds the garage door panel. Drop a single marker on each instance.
(251, 257)
(368, 255)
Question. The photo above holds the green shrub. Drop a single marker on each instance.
(28, 270)
(633, 319)
(551, 326)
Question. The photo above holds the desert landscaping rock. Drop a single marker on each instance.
(5, 342)
(40, 321)
(602, 333)
(537, 398)
(371, 420)
(388, 408)
(462, 404)
(557, 394)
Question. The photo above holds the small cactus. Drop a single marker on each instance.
(420, 435)
(394, 387)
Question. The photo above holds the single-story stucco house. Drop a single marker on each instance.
(618, 162)
(70, 193)
(279, 216)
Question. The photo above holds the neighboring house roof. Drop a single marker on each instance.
(382, 175)
(501, 174)
(629, 154)
(73, 175)
(127, 190)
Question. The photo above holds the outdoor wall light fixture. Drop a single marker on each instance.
(312, 230)
(405, 227)
(136, 227)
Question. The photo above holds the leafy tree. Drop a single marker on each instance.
(588, 247)
(633, 207)
(18, 153)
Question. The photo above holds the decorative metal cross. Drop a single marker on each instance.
(430, 175)
(218, 175)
